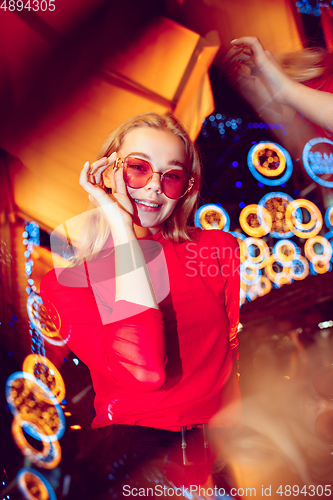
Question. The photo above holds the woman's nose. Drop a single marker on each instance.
(155, 182)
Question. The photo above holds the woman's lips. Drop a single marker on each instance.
(145, 205)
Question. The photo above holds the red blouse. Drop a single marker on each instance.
(158, 368)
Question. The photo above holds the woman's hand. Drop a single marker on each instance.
(259, 70)
(91, 179)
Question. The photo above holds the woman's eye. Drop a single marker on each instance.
(139, 167)
(173, 176)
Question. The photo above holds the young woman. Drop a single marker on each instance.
(151, 305)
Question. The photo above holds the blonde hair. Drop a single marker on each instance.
(176, 227)
(307, 64)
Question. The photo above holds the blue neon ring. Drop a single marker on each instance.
(328, 236)
(276, 247)
(236, 234)
(305, 156)
(28, 428)
(19, 478)
(327, 217)
(245, 280)
(265, 180)
(219, 209)
(284, 196)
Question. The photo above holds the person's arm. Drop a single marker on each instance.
(132, 278)
(270, 91)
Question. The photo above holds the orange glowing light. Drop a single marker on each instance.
(312, 255)
(42, 368)
(67, 414)
(75, 427)
(269, 160)
(262, 247)
(309, 229)
(255, 220)
(47, 458)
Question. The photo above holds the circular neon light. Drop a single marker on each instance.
(277, 210)
(278, 278)
(30, 479)
(42, 322)
(254, 164)
(300, 268)
(329, 237)
(309, 229)
(46, 372)
(259, 223)
(283, 258)
(24, 392)
(312, 255)
(320, 266)
(50, 456)
(263, 251)
(212, 217)
(329, 217)
(249, 273)
(316, 163)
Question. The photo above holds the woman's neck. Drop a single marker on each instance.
(143, 232)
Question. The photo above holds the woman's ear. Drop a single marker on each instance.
(107, 177)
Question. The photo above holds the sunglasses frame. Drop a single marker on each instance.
(120, 163)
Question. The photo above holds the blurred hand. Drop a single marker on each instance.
(256, 73)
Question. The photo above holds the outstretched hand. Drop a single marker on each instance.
(256, 73)
(91, 180)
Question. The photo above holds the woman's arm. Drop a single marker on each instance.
(132, 278)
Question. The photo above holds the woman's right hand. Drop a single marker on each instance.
(91, 180)
(256, 73)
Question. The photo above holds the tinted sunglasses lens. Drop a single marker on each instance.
(137, 172)
(174, 183)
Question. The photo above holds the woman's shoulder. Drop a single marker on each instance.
(215, 237)
(64, 277)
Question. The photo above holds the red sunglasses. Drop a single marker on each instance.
(138, 173)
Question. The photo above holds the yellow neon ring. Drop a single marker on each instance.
(262, 245)
(265, 225)
(310, 253)
(287, 259)
(245, 275)
(321, 269)
(207, 225)
(29, 364)
(272, 275)
(46, 327)
(26, 480)
(314, 213)
(264, 290)
(34, 455)
(264, 171)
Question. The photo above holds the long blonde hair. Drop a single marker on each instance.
(176, 227)
(306, 64)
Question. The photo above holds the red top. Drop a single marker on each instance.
(160, 368)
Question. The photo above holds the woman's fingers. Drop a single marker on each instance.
(251, 42)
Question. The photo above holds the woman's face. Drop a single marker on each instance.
(164, 151)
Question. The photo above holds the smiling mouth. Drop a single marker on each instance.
(147, 204)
